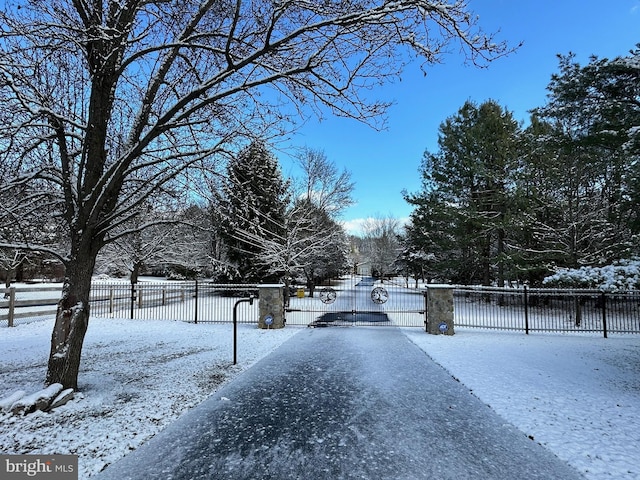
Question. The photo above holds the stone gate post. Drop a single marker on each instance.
(440, 309)
(271, 306)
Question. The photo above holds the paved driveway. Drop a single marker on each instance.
(342, 403)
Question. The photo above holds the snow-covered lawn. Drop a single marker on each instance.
(577, 395)
(137, 376)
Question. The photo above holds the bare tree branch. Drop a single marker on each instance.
(107, 102)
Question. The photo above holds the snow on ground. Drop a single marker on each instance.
(577, 395)
(136, 377)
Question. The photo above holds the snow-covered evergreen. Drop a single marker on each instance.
(619, 277)
(251, 209)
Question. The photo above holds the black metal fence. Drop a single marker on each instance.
(547, 310)
(523, 309)
(186, 301)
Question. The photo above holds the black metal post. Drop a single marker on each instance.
(604, 313)
(526, 311)
(426, 308)
(133, 297)
(235, 326)
(195, 319)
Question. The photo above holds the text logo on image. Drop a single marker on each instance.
(50, 467)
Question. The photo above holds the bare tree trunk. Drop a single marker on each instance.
(135, 272)
(287, 291)
(500, 255)
(485, 261)
(311, 285)
(72, 319)
(7, 281)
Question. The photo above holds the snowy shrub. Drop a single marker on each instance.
(618, 277)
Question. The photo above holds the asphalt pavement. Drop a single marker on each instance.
(342, 403)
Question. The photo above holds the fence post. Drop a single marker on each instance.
(195, 319)
(12, 305)
(133, 298)
(604, 313)
(271, 306)
(111, 300)
(426, 310)
(526, 311)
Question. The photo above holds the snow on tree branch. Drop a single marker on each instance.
(109, 104)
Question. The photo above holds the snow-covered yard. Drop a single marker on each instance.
(577, 395)
(136, 377)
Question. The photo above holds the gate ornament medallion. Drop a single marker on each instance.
(328, 295)
(379, 295)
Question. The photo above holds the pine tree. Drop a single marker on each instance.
(429, 236)
(595, 114)
(251, 206)
(466, 190)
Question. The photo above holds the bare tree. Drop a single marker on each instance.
(322, 183)
(10, 261)
(381, 244)
(173, 241)
(36, 227)
(106, 101)
(308, 243)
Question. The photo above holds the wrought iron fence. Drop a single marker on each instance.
(547, 310)
(186, 301)
(524, 309)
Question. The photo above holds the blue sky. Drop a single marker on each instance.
(383, 163)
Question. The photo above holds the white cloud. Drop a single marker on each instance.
(356, 226)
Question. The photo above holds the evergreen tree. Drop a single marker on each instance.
(429, 237)
(595, 113)
(563, 193)
(465, 203)
(252, 205)
(537, 204)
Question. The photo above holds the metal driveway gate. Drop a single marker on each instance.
(359, 300)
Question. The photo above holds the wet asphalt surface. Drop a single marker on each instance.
(342, 403)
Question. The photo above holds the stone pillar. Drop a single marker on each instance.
(271, 306)
(440, 309)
